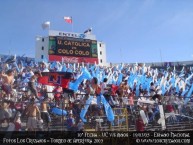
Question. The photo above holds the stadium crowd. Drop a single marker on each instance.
(123, 86)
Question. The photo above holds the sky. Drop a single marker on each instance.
(133, 30)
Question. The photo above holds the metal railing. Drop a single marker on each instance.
(125, 120)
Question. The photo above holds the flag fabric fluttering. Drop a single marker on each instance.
(85, 108)
(68, 20)
(108, 110)
(46, 25)
(55, 79)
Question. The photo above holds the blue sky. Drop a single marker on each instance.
(133, 30)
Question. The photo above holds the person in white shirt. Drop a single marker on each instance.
(104, 88)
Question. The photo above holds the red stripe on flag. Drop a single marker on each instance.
(63, 82)
(68, 20)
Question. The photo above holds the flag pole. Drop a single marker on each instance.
(72, 24)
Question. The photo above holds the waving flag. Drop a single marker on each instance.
(55, 79)
(85, 109)
(108, 109)
(68, 20)
(85, 75)
(188, 95)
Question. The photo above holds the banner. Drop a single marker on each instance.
(55, 79)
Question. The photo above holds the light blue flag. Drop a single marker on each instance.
(85, 109)
(173, 80)
(58, 111)
(31, 64)
(69, 70)
(112, 101)
(188, 95)
(64, 68)
(120, 78)
(99, 103)
(177, 89)
(85, 75)
(53, 65)
(130, 80)
(93, 73)
(120, 67)
(184, 92)
(108, 109)
(17, 68)
(92, 67)
(163, 90)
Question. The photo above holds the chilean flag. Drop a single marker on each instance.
(68, 20)
(55, 79)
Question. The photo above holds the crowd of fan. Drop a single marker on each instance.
(20, 92)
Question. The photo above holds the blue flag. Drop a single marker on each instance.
(108, 109)
(189, 94)
(85, 109)
(58, 111)
(85, 75)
